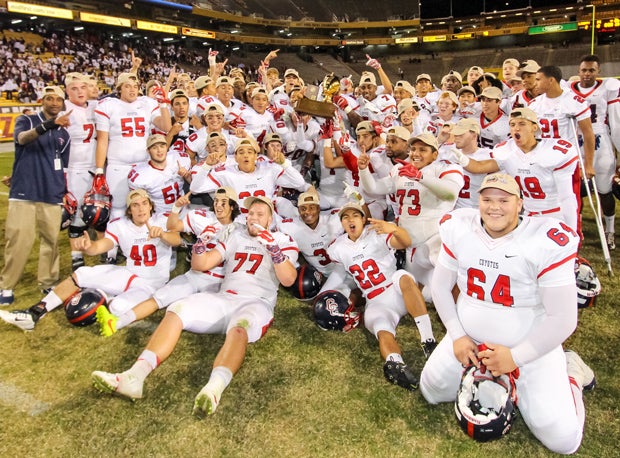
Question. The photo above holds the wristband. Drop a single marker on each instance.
(176, 210)
(99, 171)
(348, 110)
(276, 254)
(45, 126)
(327, 143)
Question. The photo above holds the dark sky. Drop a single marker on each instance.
(441, 8)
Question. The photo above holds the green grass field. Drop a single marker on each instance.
(301, 392)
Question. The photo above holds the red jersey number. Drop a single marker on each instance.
(133, 127)
(500, 292)
(367, 275)
(148, 257)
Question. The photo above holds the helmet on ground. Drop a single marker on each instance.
(81, 308)
(308, 282)
(334, 311)
(69, 207)
(588, 284)
(485, 405)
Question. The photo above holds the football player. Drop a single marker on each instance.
(518, 299)
(211, 227)
(256, 261)
(82, 157)
(366, 254)
(603, 96)
(148, 248)
(163, 175)
(543, 168)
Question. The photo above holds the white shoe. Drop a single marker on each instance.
(124, 384)
(205, 404)
(23, 319)
(579, 371)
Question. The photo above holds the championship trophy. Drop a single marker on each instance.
(324, 109)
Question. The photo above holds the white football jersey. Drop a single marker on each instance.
(164, 186)
(495, 131)
(264, 181)
(313, 243)
(555, 115)
(369, 260)
(196, 221)
(83, 135)
(420, 209)
(248, 268)
(535, 171)
(148, 258)
(128, 127)
(468, 196)
(436, 123)
(600, 97)
(381, 109)
(493, 274)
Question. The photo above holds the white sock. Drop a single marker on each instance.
(395, 357)
(125, 320)
(610, 223)
(51, 301)
(146, 363)
(220, 378)
(423, 322)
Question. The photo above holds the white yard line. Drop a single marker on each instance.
(12, 396)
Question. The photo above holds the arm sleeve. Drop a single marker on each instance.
(371, 186)
(446, 186)
(443, 281)
(558, 323)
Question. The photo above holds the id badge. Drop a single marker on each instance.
(57, 164)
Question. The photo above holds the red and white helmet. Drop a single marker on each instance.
(588, 284)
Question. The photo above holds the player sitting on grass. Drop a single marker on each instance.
(210, 228)
(256, 262)
(366, 253)
(142, 239)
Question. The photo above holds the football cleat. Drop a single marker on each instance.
(107, 321)
(124, 384)
(399, 374)
(7, 297)
(428, 346)
(610, 238)
(205, 404)
(23, 319)
(579, 371)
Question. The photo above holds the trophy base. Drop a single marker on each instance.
(314, 108)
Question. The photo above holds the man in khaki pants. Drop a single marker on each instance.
(36, 194)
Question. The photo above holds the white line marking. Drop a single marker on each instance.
(12, 396)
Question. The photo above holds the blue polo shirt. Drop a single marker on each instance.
(35, 177)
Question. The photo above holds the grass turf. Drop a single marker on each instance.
(300, 392)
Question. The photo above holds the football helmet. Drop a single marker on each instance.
(81, 308)
(615, 184)
(69, 207)
(97, 204)
(485, 405)
(308, 282)
(588, 284)
(334, 311)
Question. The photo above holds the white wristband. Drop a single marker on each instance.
(176, 210)
(327, 143)
(348, 110)
(99, 171)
